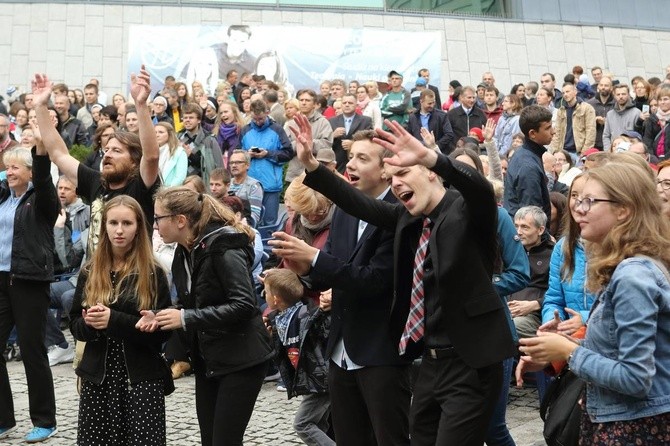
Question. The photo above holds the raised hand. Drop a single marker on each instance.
(489, 129)
(428, 137)
(140, 86)
(41, 86)
(304, 142)
(408, 150)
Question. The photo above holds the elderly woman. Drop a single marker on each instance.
(310, 215)
(28, 210)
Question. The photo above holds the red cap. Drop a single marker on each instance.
(477, 131)
(588, 152)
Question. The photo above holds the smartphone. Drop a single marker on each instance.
(255, 150)
(645, 108)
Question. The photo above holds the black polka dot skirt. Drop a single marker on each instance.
(115, 413)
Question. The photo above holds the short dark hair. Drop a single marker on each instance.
(493, 89)
(192, 107)
(321, 101)
(369, 135)
(241, 28)
(91, 87)
(531, 118)
(553, 78)
(258, 106)
(271, 96)
(220, 173)
(308, 91)
(110, 110)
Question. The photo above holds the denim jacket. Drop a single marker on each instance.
(625, 357)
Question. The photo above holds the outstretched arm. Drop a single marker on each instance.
(52, 141)
(140, 89)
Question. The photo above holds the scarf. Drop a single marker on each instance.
(663, 117)
(315, 228)
(364, 103)
(228, 139)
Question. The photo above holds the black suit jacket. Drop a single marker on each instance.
(359, 123)
(438, 123)
(463, 250)
(361, 275)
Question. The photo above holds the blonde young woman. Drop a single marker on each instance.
(625, 356)
(227, 128)
(173, 162)
(123, 374)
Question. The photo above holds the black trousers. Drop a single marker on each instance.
(453, 403)
(224, 404)
(370, 406)
(24, 303)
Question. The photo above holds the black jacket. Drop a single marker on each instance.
(221, 316)
(34, 219)
(652, 134)
(73, 131)
(141, 350)
(438, 123)
(463, 246)
(360, 272)
(310, 374)
(462, 123)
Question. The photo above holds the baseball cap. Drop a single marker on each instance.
(325, 156)
(394, 73)
(632, 134)
(420, 82)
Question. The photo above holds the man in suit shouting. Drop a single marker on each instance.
(368, 380)
(344, 126)
(445, 307)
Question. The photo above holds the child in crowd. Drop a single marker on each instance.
(300, 334)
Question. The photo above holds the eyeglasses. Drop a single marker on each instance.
(586, 203)
(157, 218)
(665, 184)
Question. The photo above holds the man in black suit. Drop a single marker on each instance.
(465, 117)
(445, 307)
(433, 120)
(368, 381)
(344, 126)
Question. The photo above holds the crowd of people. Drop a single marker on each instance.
(423, 248)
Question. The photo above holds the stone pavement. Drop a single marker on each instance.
(270, 425)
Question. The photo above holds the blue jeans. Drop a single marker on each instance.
(61, 294)
(271, 204)
(311, 420)
(498, 434)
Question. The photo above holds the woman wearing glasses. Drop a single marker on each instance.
(625, 357)
(229, 345)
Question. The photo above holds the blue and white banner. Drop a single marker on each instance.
(294, 57)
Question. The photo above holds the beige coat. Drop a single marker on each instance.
(583, 127)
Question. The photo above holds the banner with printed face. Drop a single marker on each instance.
(294, 57)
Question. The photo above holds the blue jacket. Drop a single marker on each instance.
(571, 294)
(625, 358)
(508, 126)
(271, 137)
(526, 182)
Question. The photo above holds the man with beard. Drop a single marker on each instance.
(129, 166)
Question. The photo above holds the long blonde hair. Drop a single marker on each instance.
(646, 231)
(238, 121)
(139, 262)
(199, 210)
(172, 141)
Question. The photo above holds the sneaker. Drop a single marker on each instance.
(38, 434)
(9, 353)
(5, 431)
(17, 353)
(58, 355)
(281, 388)
(272, 377)
(179, 369)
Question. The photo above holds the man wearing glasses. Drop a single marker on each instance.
(243, 186)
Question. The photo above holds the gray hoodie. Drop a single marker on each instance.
(618, 121)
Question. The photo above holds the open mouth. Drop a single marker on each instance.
(353, 178)
(405, 196)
